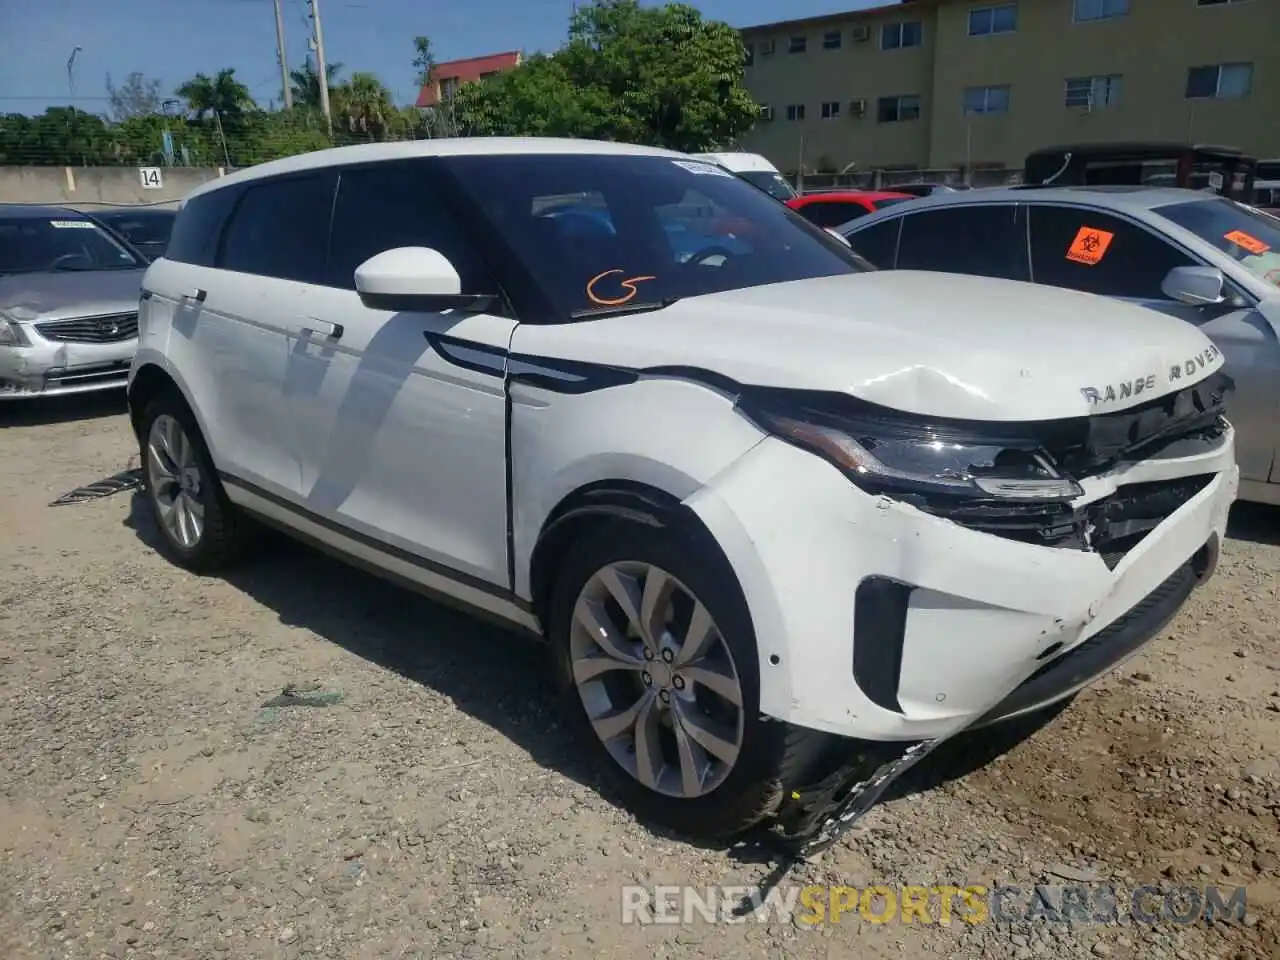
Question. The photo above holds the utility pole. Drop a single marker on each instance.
(284, 63)
(318, 40)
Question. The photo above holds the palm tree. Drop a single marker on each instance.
(222, 95)
(306, 83)
(366, 104)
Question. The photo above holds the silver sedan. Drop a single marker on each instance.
(1197, 256)
(68, 303)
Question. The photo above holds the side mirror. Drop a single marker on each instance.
(414, 280)
(1196, 286)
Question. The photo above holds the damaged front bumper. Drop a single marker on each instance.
(899, 626)
(814, 817)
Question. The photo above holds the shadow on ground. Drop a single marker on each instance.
(497, 677)
(1255, 522)
(40, 411)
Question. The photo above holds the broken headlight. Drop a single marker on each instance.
(901, 457)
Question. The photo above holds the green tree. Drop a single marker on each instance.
(655, 75)
(221, 94)
(366, 106)
(305, 83)
(424, 60)
(137, 97)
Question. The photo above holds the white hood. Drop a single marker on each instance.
(919, 342)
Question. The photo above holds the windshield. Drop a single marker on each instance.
(771, 182)
(37, 244)
(141, 228)
(601, 232)
(1247, 236)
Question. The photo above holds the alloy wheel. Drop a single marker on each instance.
(176, 482)
(657, 680)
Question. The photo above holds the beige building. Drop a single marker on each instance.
(934, 84)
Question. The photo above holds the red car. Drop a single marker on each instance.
(841, 206)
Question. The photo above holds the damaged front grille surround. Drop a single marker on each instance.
(1027, 487)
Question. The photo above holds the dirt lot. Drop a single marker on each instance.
(151, 805)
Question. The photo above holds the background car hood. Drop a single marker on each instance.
(920, 342)
(54, 296)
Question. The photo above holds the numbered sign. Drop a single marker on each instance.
(151, 178)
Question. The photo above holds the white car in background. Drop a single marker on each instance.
(754, 169)
(785, 523)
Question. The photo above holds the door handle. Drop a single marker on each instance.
(195, 294)
(325, 328)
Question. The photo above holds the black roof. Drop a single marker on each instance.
(1141, 148)
(30, 211)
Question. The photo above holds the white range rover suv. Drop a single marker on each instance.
(786, 522)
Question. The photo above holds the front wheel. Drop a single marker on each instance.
(657, 660)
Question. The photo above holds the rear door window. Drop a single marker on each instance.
(1096, 252)
(280, 228)
(984, 241)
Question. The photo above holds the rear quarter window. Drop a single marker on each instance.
(878, 243)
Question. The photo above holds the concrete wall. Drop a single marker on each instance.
(97, 186)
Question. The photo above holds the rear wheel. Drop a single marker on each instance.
(657, 661)
(199, 527)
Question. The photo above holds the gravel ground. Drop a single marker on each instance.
(152, 804)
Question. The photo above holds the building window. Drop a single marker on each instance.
(1093, 92)
(831, 40)
(978, 100)
(1223, 81)
(831, 110)
(448, 87)
(1217, 3)
(1084, 11)
(797, 45)
(897, 109)
(895, 36)
(748, 54)
(795, 111)
(1000, 18)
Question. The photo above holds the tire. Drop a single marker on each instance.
(221, 535)
(772, 756)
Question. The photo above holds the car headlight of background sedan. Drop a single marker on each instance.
(11, 334)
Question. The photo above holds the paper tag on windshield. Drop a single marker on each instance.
(703, 169)
(1246, 242)
(71, 224)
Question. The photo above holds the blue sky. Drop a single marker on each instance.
(171, 40)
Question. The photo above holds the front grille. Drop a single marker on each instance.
(111, 328)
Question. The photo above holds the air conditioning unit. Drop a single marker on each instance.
(766, 112)
(766, 48)
(861, 33)
(857, 109)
